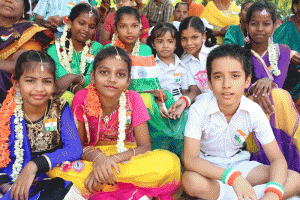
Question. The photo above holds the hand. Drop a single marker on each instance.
(265, 104)
(164, 113)
(243, 189)
(65, 81)
(20, 188)
(51, 22)
(270, 196)
(6, 188)
(295, 57)
(263, 86)
(223, 31)
(103, 169)
(58, 20)
(157, 95)
(92, 184)
(177, 108)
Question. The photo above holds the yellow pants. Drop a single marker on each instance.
(151, 169)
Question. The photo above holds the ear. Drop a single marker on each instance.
(209, 84)
(128, 81)
(16, 84)
(92, 77)
(248, 82)
(204, 37)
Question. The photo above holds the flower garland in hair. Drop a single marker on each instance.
(65, 58)
(19, 152)
(93, 107)
(118, 43)
(273, 58)
(6, 112)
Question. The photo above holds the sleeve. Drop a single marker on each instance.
(168, 12)
(139, 111)
(4, 178)
(72, 148)
(145, 27)
(77, 105)
(109, 23)
(191, 79)
(194, 124)
(60, 71)
(261, 126)
(185, 80)
(42, 8)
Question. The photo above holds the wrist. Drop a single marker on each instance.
(272, 195)
(32, 166)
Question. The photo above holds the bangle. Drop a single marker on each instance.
(82, 80)
(96, 157)
(274, 190)
(86, 148)
(225, 174)
(187, 100)
(65, 20)
(3, 185)
(115, 157)
(88, 153)
(133, 151)
(233, 177)
(275, 184)
(73, 88)
(99, 150)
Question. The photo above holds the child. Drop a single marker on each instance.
(193, 33)
(109, 24)
(74, 52)
(37, 132)
(218, 124)
(128, 27)
(112, 125)
(173, 78)
(270, 66)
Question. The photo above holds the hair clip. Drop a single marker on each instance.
(118, 57)
(42, 68)
(264, 12)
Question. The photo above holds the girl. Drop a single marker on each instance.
(74, 52)
(173, 79)
(112, 125)
(37, 132)
(270, 64)
(109, 24)
(193, 33)
(126, 36)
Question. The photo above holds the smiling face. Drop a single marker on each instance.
(35, 85)
(181, 13)
(192, 40)
(165, 45)
(12, 8)
(260, 26)
(111, 77)
(83, 27)
(228, 82)
(128, 29)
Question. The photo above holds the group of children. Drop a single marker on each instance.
(197, 112)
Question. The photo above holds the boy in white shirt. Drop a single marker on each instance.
(220, 122)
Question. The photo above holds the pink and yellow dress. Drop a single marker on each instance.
(154, 173)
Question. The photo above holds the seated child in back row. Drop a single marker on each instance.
(220, 122)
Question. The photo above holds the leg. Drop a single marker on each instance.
(261, 175)
(198, 186)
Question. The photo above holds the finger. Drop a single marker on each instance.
(112, 176)
(116, 166)
(258, 89)
(106, 177)
(16, 192)
(265, 106)
(269, 105)
(95, 183)
(22, 193)
(26, 191)
(240, 197)
(96, 173)
(89, 185)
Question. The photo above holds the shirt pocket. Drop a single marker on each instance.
(238, 138)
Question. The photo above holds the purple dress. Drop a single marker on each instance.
(284, 139)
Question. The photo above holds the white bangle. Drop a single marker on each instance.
(189, 99)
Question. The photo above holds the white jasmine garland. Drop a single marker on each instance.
(19, 152)
(122, 123)
(136, 48)
(66, 59)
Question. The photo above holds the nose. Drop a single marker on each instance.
(260, 27)
(227, 82)
(112, 77)
(39, 85)
(165, 44)
(189, 41)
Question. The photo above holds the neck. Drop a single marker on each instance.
(168, 60)
(229, 111)
(108, 105)
(78, 46)
(5, 21)
(260, 48)
(129, 48)
(34, 112)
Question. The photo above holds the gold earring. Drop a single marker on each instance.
(23, 15)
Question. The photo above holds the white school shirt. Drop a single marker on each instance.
(173, 78)
(198, 67)
(207, 123)
(48, 8)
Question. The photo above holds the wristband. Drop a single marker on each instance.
(233, 177)
(274, 184)
(230, 175)
(274, 190)
(226, 172)
(187, 100)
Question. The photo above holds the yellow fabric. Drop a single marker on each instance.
(68, 96)
(147, 100)
(151, 169)
(218, 19)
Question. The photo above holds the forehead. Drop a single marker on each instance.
(226, 64)
(189, 32)
(182, 7)
(166, 35)
(261, 15)
(85, 17)
(113, 63)
(128, 19)
(37, 69)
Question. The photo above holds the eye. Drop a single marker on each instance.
(267, 23)
(47, 81)
(217, 77)
(195, 37)
(29, 80)
(81, 23)
(122, 26)
(135, 26)
(159, 42)
(183, 38)
(92, 27)
(103, 72)
(171, 41)
(122, 74)
(236, 75)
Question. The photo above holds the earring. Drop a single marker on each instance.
(23, 15)
(247, 39)
(270, 40)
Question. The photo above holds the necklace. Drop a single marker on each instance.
(37, 129)
(107, 118)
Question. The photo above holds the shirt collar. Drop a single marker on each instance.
(177, 60)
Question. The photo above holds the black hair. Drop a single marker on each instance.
(259, 6)
(126, 10)
(160, 30)
(182, 3)
(83, 8)
(33, 56)
(26, 9)
(293, 3)
(112, 51)
(232, 51)
(245, 3)
(197, 24)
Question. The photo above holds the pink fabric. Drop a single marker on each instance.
(135, 108)
(130, 191)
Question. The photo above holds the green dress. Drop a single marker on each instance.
(234, 35)
(75, 66)
(288, 34)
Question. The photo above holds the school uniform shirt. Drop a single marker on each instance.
(48, 8)
(218, 138)
(198, 67)
(173, 78)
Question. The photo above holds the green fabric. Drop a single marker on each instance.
(234, 35)
(140, 85)
(94, 3)
(288, 34)
(145, 50)
(75, 65)
(165, 133)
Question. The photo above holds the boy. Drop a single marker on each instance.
(221, 122)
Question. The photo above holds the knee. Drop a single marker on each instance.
(191, 183)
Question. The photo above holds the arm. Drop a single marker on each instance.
(107, 28)
(9, 66)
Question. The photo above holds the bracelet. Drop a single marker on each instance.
(133, 151)
(96, 157)
(233, 177)
(187, 100)
(73, 88)
(88, 152)
(274, 190)
(275, 184)
(86, 148)
(3, 185)
(230, 175)
(82, 80)
(225, 174)
(115, 157)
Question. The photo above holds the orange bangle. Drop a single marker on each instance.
(274, 190)
(186, 101)
(233, 177)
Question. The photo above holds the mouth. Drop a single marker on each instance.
(130, 37)
(111, 87)
(83, 35)
(227, 95)
(38, 97)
